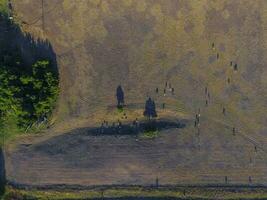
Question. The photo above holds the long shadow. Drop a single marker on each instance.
(133, 128)
(52, 147)
(2, 173)
(116, 130)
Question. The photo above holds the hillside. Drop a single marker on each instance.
(140, 45)
(212, 52)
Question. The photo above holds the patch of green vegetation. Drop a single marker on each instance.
(3, 7)
(120, 109)
(149, 134)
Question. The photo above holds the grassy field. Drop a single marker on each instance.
(142, 45)
(226, 193)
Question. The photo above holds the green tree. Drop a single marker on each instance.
(27, 95)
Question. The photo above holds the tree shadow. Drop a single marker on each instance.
(14, 42)
(2, 173)
(131, 128)
(78, 137)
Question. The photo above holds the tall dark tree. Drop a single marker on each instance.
(120, 97)
(150, 109)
